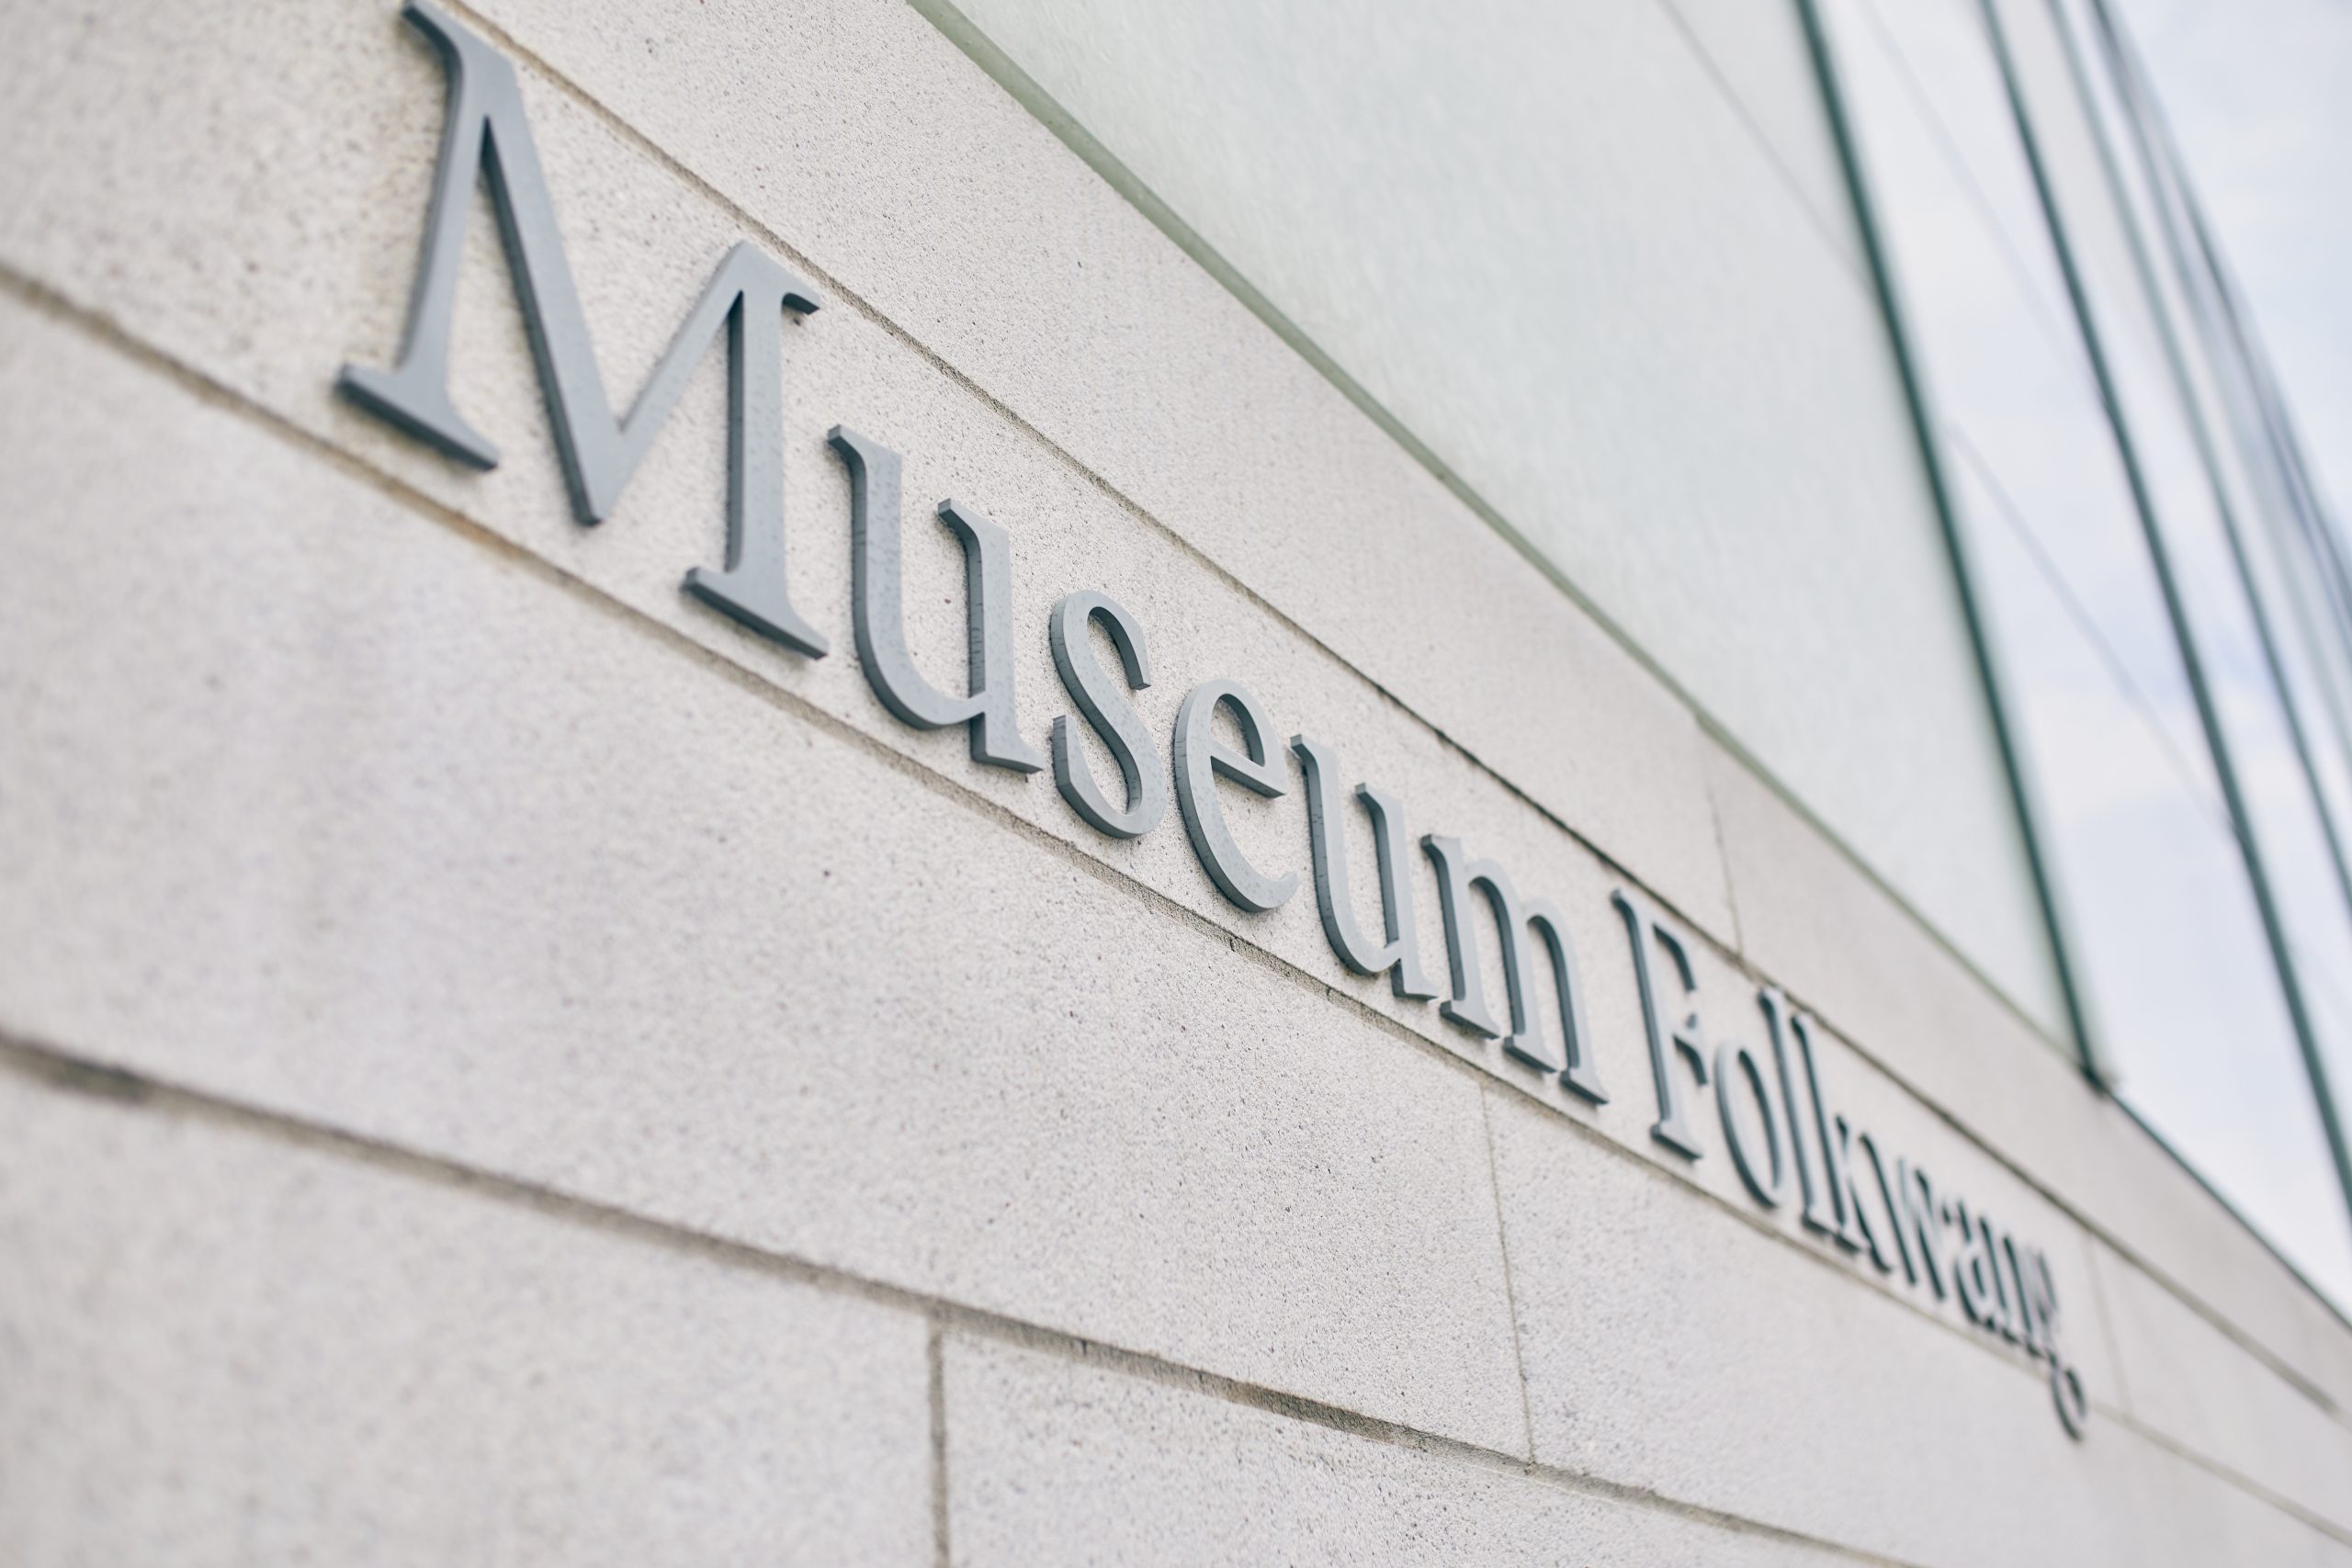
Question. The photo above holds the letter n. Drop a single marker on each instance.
(486, 133)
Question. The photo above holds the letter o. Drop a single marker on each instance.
(1737, 1063)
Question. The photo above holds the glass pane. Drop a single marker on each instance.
(2299, 575)
(2178, 984)
(1594, 286)
(2279, 731)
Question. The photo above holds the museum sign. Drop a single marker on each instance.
(1786, 1140)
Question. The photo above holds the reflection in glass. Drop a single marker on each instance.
(2178, 981)
(2266, 736)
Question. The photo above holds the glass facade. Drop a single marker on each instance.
(1599, 263)
(2068, 678)
(2162, 600)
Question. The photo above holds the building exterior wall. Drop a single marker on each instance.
(1591, 260)
(501, 1064)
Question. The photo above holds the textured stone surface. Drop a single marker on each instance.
(461, 828)
(2189, 1381)
(637, 263)
(1854, 1087)
(1669, 1346)
(241, 241)
(377, 825)
(1811, 919)
(944, 202)
(334, 809)
(1579, 336)
(1067, 533)
(2181, 1514)
(1052, 1461)
(642, 265)
(221, 1346)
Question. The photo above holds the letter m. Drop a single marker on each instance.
(486, 133)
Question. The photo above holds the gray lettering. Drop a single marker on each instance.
(1106, 708)
(1733, 1065)
(1880, 1254)
(877, 569)
(486, 131)
(1201, 760)
(1972, 1267)
(1667, 1038)
(1916, 1227)
(1457, 878)
(1399, 956)
(1825, 1206)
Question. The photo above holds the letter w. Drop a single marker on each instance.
(487, 132)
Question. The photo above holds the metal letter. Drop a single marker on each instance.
(2037, 1300)
(876, 570)
(1819, 1213)
(2029, 1320)
(1734, 1062)
(1825, 1206)
(2038, 1292)
(1114, 717)
(1666, 1040)
(1858, 1218)
(1456, 877)
(1916, 1229)
(2072, 1400)
(485, 129)
(1582, 1074)
(2006, 1297)
(1201, 760)
(1869, 1146)
(1400, 956)
(1972, 1267)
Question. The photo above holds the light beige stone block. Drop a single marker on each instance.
(223, 1345)
(325, 805)
(1053, 1460)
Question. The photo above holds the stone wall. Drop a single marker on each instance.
(501, 1064)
